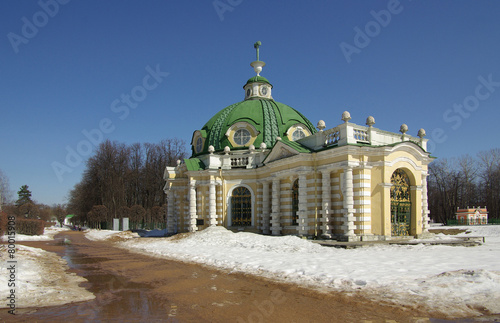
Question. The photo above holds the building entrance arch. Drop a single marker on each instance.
(241, 207)
(400, 203)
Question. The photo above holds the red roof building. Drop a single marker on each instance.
(472, 216)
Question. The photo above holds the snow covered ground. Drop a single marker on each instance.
(450, 279)
(40, 276)
(48, 234)
(40, 279)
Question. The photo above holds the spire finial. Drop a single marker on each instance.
(257, 65)
(256, 46)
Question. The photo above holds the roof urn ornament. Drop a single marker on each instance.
(346, 116)
(421, 133)
(227, 150)
(403, 129)
(251, 148)
(321, 125)
(263, 146)
(370, 121)
(211, 149)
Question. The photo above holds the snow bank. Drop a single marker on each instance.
(453, 280)
(100, 235)
(48, 234)
(40, 279)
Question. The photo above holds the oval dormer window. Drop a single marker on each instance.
(242, 137)
(298, 134)
(199, 144)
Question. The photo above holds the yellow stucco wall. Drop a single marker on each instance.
(372, 173)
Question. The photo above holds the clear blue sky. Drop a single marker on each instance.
(63, 66)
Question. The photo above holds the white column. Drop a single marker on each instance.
(302, 212)
(265, 207)
(212, 209)
(348, 211)
(326, 202)
(275, 215)
(192, 207)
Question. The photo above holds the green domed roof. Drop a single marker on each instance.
(259, 78)
(271, 119)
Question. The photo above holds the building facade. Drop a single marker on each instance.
(261, 166)
(472, 216)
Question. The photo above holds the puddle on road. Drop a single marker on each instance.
(117, 298)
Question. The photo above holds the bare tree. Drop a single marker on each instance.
(490, 185)
(443, 191)
(137, 213)
(119, 176)
(97, 215)
(59, 211)
(5, 192)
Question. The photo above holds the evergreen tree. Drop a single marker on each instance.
(24, 196)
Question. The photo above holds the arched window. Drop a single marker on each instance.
(400, 203)
(297, 132)
(241, 207)
(295, 202)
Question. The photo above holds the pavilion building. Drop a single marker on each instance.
(261, 166)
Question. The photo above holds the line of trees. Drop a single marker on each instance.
(125, 181)
(462, 182)
(31, 216)
(25, 207)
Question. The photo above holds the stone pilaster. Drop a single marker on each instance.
(425, 205)
(302, 212)
(275, 215)
(265, 208)
(171, 227)
(348, 211)
(363, 203)
(326, 198)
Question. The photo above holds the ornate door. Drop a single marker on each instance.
(241, 207)
(295, 202)
(400, 203)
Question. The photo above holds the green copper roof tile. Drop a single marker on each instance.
(260, 79)
(271, 119)
(296, 146)
(194, 164)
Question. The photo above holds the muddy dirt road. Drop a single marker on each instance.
(134, 287)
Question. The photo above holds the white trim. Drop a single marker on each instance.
(361, 185)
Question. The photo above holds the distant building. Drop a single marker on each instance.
(472, 216)
(67, 219)
(261, 166)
